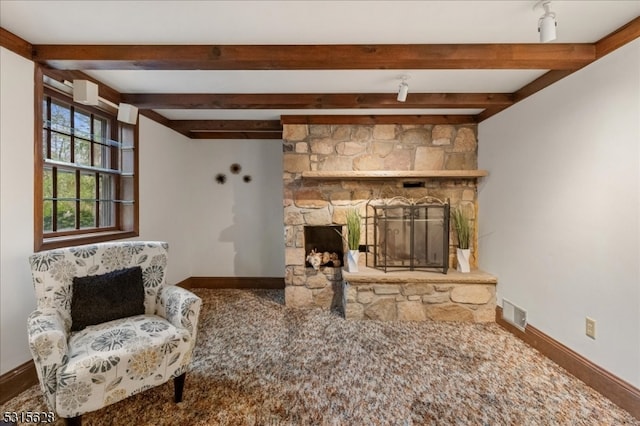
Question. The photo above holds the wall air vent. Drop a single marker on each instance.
(514, 314)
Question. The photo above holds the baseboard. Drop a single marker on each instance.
(235, 282)
(186, 283)
(620, 392)
(21, 378)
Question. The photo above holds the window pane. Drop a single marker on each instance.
(45, 132)
(99, 130)
(87, 214)
(127, 212)
(107, 187)
(60, 147)
(87, 186)
(126, 161)
(47, 183)
(66, 184)
(127, 136)
(83, 152)
(47, 216)
(107, 208)
(101, 156)
(60, 117)
(82, 124)
(66, 215)
(107, 213)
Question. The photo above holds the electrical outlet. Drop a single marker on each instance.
(591, 328)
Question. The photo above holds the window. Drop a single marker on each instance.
(86, 180)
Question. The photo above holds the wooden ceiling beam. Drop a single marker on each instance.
(235, 135)
(226, 125)
(540, 83)
(536, 85)
(314, 100)
(12, 42)
(160, 119)
(378, 119)
(316, 57)
(618, 38)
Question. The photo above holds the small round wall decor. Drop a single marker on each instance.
(235, 168)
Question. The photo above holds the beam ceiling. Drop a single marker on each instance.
(559, 59)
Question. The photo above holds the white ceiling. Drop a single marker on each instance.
(308, 22)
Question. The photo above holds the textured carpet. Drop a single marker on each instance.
(258, 362)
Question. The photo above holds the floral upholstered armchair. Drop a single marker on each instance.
(107, 325)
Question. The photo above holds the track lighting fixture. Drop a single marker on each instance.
(547, 23)
(403, 89)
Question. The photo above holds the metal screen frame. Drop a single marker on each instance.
(377, 222)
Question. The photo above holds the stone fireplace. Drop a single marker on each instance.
(326, 173)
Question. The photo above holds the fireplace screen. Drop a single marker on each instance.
(408, 234)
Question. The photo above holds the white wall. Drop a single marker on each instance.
(240, 225)
(560, 211)
(16, 207)
(165, 195)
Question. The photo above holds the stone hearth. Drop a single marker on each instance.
(419, 296)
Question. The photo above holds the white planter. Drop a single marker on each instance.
(463, 256)
(351, 265)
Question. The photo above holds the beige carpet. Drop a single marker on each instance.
(260, 363)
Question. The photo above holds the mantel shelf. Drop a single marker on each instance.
(389, 174)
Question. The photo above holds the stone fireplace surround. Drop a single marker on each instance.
(318, 201)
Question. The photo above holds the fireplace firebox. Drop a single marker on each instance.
(326, 241)
(408, 234)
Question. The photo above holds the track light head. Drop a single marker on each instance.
(403, 90)
(547, 23)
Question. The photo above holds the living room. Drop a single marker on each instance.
(557, 218)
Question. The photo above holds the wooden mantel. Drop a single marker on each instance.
(390, 174)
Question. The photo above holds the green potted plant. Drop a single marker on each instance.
(354, 223)
(462, 225)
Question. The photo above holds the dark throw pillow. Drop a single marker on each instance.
(100, 298)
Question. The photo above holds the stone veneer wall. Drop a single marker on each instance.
(363, 148)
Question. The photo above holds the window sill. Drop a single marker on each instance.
(75, 240)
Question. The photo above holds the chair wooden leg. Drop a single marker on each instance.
(74, 421)
(178, 385)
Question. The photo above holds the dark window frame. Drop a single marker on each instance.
(124, 213)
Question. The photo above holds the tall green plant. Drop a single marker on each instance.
(462, 224)
(354, 221)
